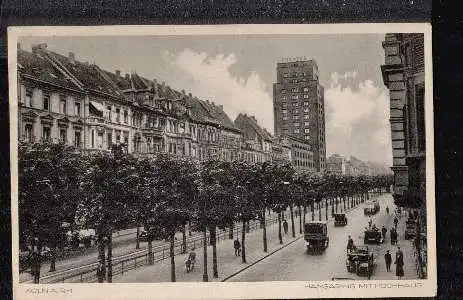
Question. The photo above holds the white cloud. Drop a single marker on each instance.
(357, 121)
(210, 78)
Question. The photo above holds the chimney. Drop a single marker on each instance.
(118, 73)
(39, 48)
(127, 76)
(221, 107)
(207, 101)
(163, 86)
(189, 95)
(72, 57)
(183, 93)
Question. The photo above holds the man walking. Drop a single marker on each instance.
(237, 246)
(388, 260)
(395, 222)
(399, 263)
(369, 223)
(285, 226)
(384, 231)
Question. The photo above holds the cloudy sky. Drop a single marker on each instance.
(238, 71)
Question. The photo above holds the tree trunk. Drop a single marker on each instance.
(150, 250)
(344, 203)
(300, 220)
(248, 227)
(101, 258)
(292, 220)
(312, 209)
(215, 271)
(305, 211)
(53, 257)
(189, 228)
(172, 258)
(243, 246)
(264, 231)
(36, 262)
(332, 207)
(137, 245)
(184, 239)
(319, 210)
(205, 276)
(326, 208)
(110, 256)
(279, 229)
(230, 233)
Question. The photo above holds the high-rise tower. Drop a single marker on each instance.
(299, 106)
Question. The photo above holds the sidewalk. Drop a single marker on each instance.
(228, 264)
(406, 246)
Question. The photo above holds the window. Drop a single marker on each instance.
(296, 124)
(285, 118)
(306, 109)
(284, 104)
(126, 117)
(295, 104)
(306, 89)
(109, 139)
(296, 130)
(46, 133)
(306, 123)
(294, 90)
(307, 130)
(63, 136)
(295, 97)
(306, 103)
(28, 99)
(93, 138)
(46, 101)
(118, 137)
(420, 123)
(283, 91)
(62, 106)
(296, 117)
(296, 111)
(77, 107)
(77, 139)
(306, 96)
(306, 117)
(118, 115)
(109, 113)
(28, 132)
(284, 98)
(284, 111)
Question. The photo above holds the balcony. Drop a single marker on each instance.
(94, 120)
(155, 131)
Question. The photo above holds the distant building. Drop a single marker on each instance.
(281, 149)
(336, 164)
(301, 154)
(257, 143)
(299, 109)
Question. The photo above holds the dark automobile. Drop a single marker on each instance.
(316, 235)
(340, 220)
(360, 261)
(372, 235)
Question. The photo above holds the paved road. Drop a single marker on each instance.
(293, 263)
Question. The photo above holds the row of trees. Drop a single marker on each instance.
(162, 194)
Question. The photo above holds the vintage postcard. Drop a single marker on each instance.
(222, 162)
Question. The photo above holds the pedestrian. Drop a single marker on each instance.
(285, 226)
(350, 244)
(369, 223)
(388, 260)
(237, 246)
(399, 263)
(387, 209)
(395, 222)
(384, 231)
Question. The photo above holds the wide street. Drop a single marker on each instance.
(293, 263)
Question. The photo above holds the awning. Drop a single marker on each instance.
(97, 105)
(96, 109)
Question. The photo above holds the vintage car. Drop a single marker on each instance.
(316, 235)
(340, 220)
(360, 261)
(376, 206)
(370, 210)
(372, 235)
